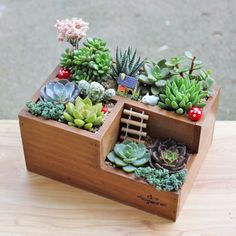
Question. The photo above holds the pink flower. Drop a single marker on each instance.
(71, 30)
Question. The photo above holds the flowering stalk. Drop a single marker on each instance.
(71, 30)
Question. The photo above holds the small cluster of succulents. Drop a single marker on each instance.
(129, 155)
(61, 92)
(163, 164)
(95, 91)
(91, 62)
(162, 179)
(126, 63)
(47, 110)
(169, 155)
(83, 114)
(182, 94)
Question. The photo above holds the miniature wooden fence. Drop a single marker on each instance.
(133, 126)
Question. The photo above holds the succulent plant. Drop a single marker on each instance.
(107, 95)
(126, 63)
(67, 59)
(155, 76)
(181, 94)
(169, 155)
(162, 179)
(83, 114)
(48, 110)
(96, 44)
(61, 91)
(129, 155)
(206, 80)
(92, 62)
(96, 91)
(83, 87)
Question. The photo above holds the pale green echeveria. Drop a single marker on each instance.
(83, 114)
(129, 155)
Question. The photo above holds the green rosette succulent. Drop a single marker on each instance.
(129, 155)
(154, 77)
(126, 63)
(181, 94)
(83, 114)
(96, 44)
(92, 62)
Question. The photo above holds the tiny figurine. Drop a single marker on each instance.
(127, 84)
(150, 100)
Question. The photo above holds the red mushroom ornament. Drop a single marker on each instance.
(195, 113)
(63, 74)
(104, 109)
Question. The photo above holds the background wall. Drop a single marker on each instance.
(158, 28)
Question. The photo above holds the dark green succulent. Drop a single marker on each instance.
(126, 63)
(48, 110)
(162, 179)
(96, 44)
(92, 62)
(67, 59)
(181, 94)
(129, 155)
(169, 155)
(61, 91)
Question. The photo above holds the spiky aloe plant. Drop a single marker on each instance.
(126, 63)
(181, 94)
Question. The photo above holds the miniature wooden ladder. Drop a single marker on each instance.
(137, 126)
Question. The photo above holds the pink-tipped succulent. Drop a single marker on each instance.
(71, 30)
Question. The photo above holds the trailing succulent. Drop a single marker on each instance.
(48, 110)
(181, 94)
(61, 92)
(162, 179)
(83, 114)
(95, 91)
(169, 155)
(126, 63)
(92, 62)
(129, 155)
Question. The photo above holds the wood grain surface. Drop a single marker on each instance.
(34, 205)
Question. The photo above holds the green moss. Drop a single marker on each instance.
(48, 110)
(161, 178)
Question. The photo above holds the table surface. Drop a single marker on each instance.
(34, 205)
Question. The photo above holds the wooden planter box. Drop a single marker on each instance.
(75, 156)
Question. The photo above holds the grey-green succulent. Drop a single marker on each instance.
(126, 63)
(47, 110)
(129, 155)
(154, 77)
(61, 91)
(95, 91)
(162, 179)
(181, 94)
(83, 114)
